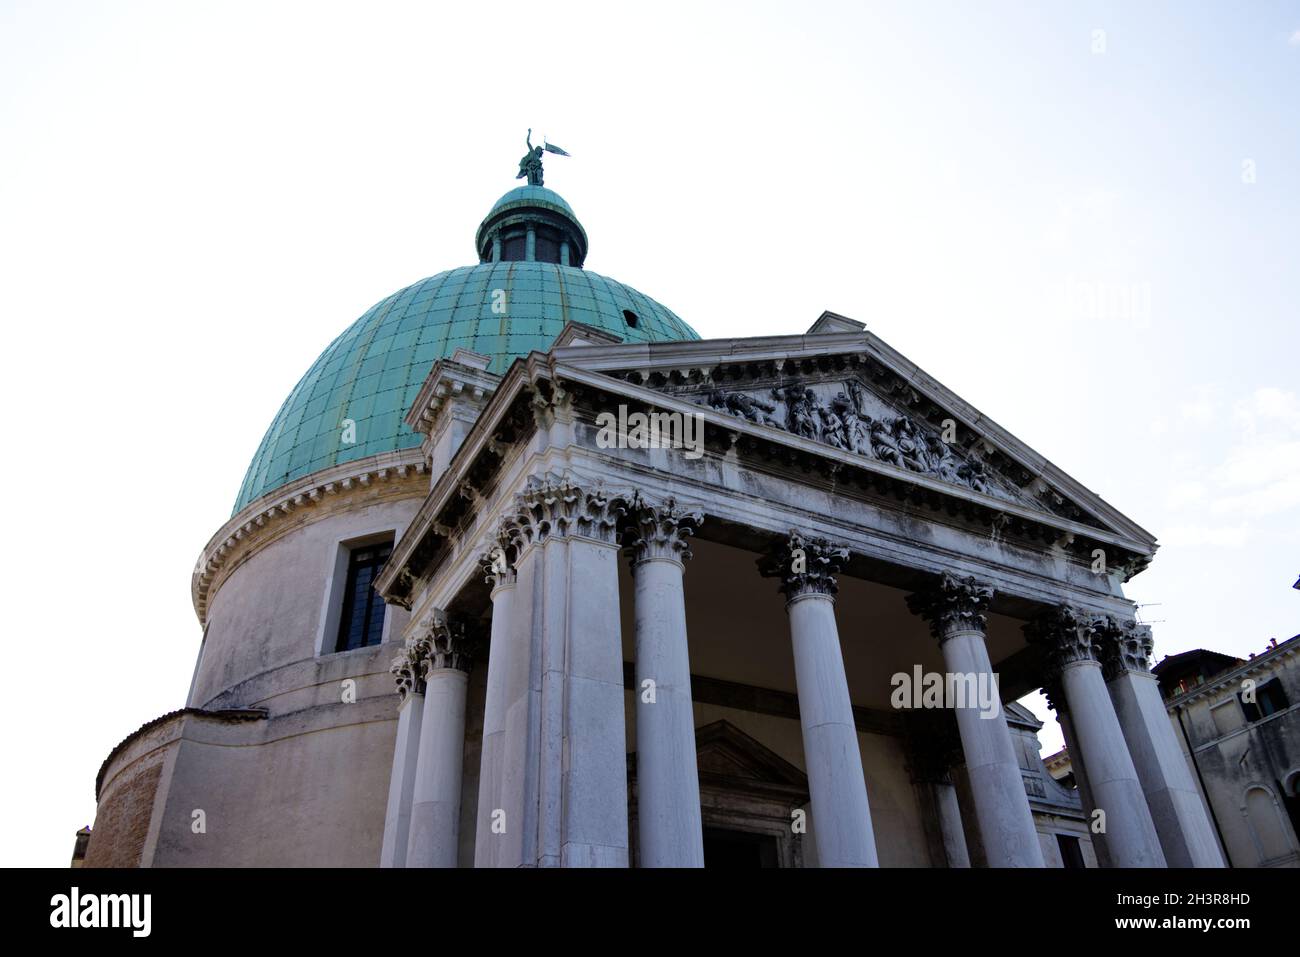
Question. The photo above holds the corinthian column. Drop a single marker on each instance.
(435, 804)
(955, 611)
(669, 826)
(1068, 636)
(933, 747)
(841, 816)
(1055, 695)
(408, 673)
(1179, 816)
(507, 682)
(575, 779)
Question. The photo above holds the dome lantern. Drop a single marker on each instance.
(531, 224)
(352, 402)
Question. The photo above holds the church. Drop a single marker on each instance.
(526, 573)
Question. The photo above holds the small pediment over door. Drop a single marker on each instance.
(728, 757)
(746, 788)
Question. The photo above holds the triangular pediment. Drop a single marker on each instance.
(845, 389)
(725, 753)
(852, 413)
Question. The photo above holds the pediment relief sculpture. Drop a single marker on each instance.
(845, 415)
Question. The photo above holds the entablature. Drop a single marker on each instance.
(845, 414)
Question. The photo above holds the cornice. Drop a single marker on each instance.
(383, 477)
(222, 714)
(463, 375)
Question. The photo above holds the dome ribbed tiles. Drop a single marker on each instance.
(373, 371)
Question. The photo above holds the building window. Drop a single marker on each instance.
(1071, 853)
(362, 620)
(1270, 698)
(630, 318)
(514, 248)
(547, 246)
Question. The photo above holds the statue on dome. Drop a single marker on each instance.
(531, 165)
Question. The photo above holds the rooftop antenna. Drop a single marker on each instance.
(1149, 604)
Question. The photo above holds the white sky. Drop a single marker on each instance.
(195, 198)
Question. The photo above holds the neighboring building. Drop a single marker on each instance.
(1239, 725)
(1058, 766)
(571, 690)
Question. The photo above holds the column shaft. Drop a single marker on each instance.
(670, 831)
(1179, 816)
(504, 669)
(1002, 812)
(1080, 770)
(435, 808)
(583, 812)
(669, 824)
(401, 785)
(950, 824)
(955, 609)
(841, 818)
(1130, 834)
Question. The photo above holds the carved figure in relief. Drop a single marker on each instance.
(832, 426)
(752, 408)
(973, 474)
(845, 423)
(942, 461)
(910, 444)
(744, 406)
(884, 443)
(857, 428)
(802, 405)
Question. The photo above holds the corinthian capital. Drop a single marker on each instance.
(953, 605)
(498, 559)
(444, 642)
(659, 532)
(411, 666)
(1124, 645)
(555, 506)
(805, 565)
(1067, 634)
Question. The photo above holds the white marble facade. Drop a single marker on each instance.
(645, 696)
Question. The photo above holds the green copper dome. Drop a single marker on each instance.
(372, 372)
